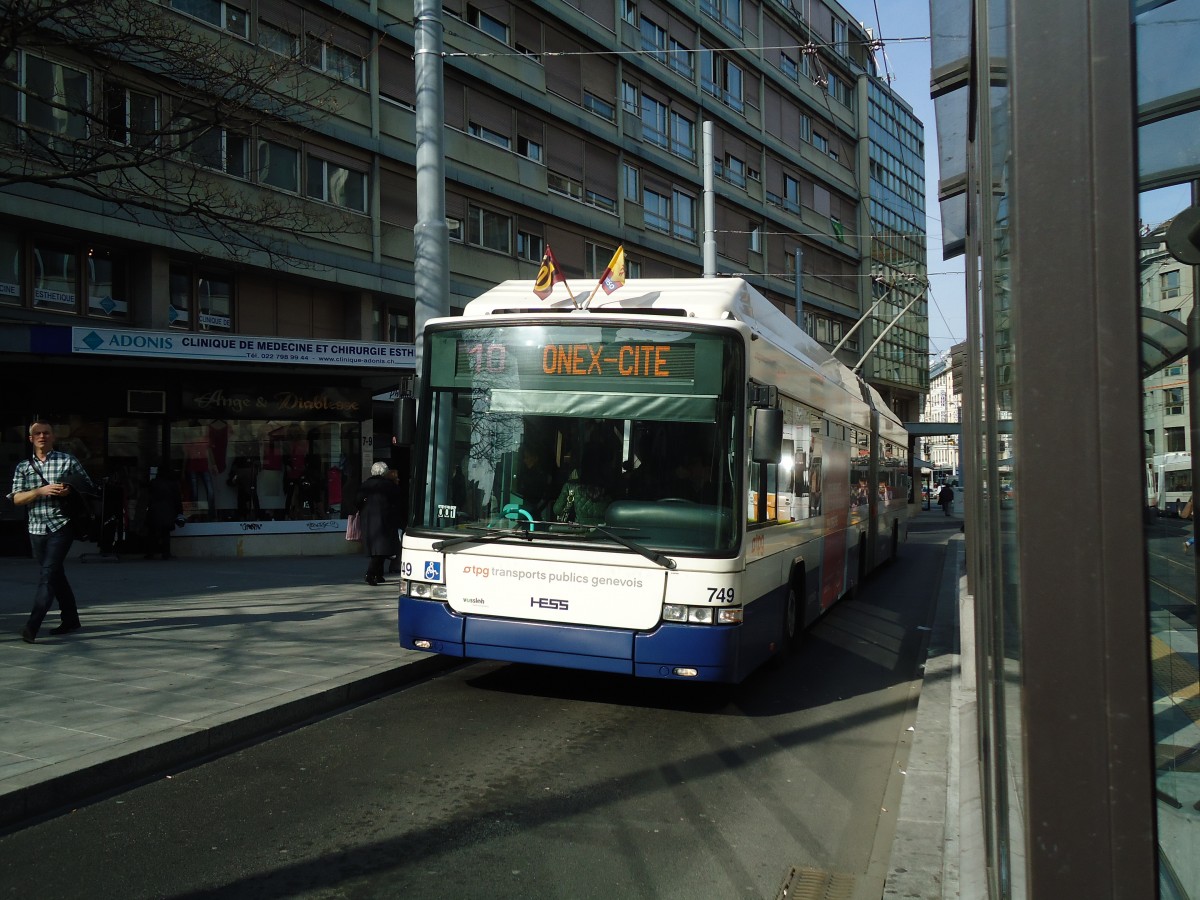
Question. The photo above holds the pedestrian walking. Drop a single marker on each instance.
(40, 483)
(380, 514)
(946, 498)
(1187, 513)
(162, 512)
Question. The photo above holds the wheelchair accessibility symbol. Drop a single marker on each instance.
(433, 571)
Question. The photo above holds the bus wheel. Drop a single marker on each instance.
(791, 616)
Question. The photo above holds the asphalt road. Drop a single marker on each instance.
(514, 781)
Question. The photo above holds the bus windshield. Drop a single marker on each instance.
(568, 431)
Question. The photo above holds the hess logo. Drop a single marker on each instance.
(548, 603)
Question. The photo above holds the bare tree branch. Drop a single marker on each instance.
(129, 103)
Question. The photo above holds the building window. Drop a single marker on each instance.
(131, 117)
(529, 148)
(51, 100)
(733, 170)
(681, 60)
(214, 302)
(722, 78)
(629, 11)
(602, 108)
(755, 230)
(530, 247)
(489, 230)
(489, 25)
(486, 134)
(683, 220)
(727, 12)
(654, 39)
(683, 136)
(279, 166)
(55, 276)
(657, 211)
(654, 122)
(1173, 401)
(632, 178)
(200, 300)
(335, 61)
(224, 15)
(791, 193)
(214, 147)
(389, 324)
(629, 98)
(454, 229)
(1169, 284)
(10, 268)
(277, 40)
(106, 275)
(595, 259)
(841, 40)
(1175, 440)
(820, 142)
(562, 184)
(336, 184)
(790, 67)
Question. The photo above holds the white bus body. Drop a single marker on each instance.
(1169, 482)
(585, 493)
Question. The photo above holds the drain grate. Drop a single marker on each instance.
(808, 883)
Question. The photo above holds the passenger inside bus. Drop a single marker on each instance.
(588, 490)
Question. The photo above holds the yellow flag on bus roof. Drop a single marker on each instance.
(614, 275)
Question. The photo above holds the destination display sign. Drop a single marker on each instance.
(618, 360)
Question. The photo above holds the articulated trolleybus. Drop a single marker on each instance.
(669, 483)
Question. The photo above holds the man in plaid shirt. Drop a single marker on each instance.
(37, 484)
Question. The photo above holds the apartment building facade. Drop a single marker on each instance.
(256, 359)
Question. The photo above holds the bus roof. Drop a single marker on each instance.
(707, 299)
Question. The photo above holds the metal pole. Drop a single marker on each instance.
(800, 286)
(710, 204)
(431, 250)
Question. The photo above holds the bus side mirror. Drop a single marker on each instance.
(404, 420)
(768, 436)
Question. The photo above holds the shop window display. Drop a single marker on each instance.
(235, 470)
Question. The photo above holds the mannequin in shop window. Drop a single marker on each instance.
(199, 464)
(243, 477)
(294, 463)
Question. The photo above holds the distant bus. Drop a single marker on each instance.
(1168, 482)
(670, 483)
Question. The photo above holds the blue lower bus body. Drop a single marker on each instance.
(721, 653)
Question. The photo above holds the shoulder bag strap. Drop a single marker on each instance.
(38, 469)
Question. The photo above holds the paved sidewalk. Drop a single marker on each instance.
(180, 659)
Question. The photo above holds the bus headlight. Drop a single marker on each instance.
(423, 590)
(702, 615)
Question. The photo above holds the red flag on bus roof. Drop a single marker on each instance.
(548, 275)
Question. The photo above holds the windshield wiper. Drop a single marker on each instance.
(653, 555)
(484, 536)
(495, 534)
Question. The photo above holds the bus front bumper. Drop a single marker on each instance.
(671, 651)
